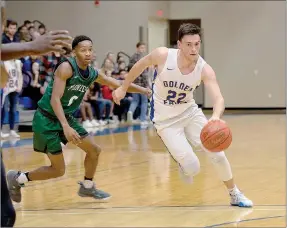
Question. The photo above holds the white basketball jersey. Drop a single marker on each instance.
(172, 92)
(12, 67)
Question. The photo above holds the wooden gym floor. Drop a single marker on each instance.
(147, 191)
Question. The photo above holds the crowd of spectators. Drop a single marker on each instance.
(30, 76)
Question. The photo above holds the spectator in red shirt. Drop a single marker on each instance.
(107, 94)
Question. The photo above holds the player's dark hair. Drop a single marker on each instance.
(140, 44)
(79, 39)
(188, 29)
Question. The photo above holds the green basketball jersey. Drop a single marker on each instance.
(76, 87)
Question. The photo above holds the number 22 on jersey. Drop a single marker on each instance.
(174, 98)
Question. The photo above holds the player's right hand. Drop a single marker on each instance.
(52, 41)
(119, 94)
(71, 135)
(213, 118)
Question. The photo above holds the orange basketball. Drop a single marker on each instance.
(216, 136)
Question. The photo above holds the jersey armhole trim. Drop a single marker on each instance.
(203, 65)
(165, 63)
(62, 61)
(96, 71)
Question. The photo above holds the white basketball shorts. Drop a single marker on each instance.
(180, 137)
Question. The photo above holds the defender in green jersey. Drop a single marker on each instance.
(54, 123)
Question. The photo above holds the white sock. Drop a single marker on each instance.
(88, 184)
(22, 178)
(234, 190)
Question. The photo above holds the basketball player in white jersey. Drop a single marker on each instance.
(11, 94)
(175, 115)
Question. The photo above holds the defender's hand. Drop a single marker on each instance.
(52, 41)
(118, 95)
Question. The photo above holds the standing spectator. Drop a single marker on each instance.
(11, 94)
(10, 35)
(31, 85)
(42, 29)
(28, 24)
(24, 31)
(23, 34)
(87, 113)
(33, 32)
(102, 106)
(122, 66)
(47, 64)
(142, 80)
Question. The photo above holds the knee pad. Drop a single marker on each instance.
(190, 165)
(221, 164)
(217, 157)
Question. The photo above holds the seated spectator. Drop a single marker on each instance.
(68, 52)
(108, 66)
(86, 110)
(94, 62)
(31, 84)
(121, 110)
(111, 57)
(107, 94)
(36, 72)
(10, 94)
(106, 90)
(22, 29)
(31, 30)
(102, 106)
(122, 74)
(25, 36)
(122, 66)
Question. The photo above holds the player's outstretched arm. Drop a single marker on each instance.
(114, 83)
(152, 59)
(155, 58)
(53, 41)
(210, 83)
